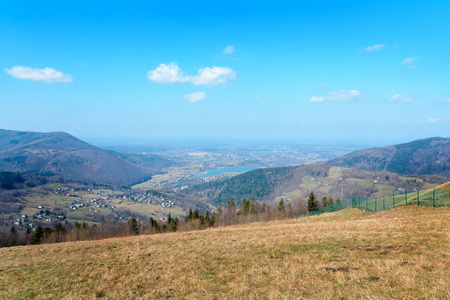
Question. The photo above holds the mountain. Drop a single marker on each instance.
(263, 184)
(429, 156)
(372, 172)
(63, 155)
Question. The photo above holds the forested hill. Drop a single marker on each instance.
(63, 155)
(263, 184)
(429, 156)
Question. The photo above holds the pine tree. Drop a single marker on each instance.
(133, 226)
(153, 226)
(312, 202)
(37, 235)
(325, 201)
(219, 211)
(330, 201)
(173, 223)
(281, 209)
(196, 215)
(252, 205)
(189, 216)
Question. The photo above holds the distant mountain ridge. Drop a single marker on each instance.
(429, 156)
(63, 155)
(364, 173)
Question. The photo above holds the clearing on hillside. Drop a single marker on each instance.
(398, 253)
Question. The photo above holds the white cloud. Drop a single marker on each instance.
(374, 47)
(409, 60)
(228, 49)
(403, 98)
(165, 74)
(256, 98)
(433, 120)
(214, 75)
(195, 97)
(47, 75)
(171, 73)
(337, 96)
(317, 99)
(343, 95)
(446, 100)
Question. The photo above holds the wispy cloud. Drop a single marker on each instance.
(323, 84)
(171, 73)
(403, 98)
(47, 75)
(433, 120)
(228, 49)
(375, 47)
(446, 100)
(409, 62)
(337, 96)
(195, 97)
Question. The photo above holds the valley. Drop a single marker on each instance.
(183, 178)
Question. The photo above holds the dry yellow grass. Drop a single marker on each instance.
(445, 186)
(398, 253)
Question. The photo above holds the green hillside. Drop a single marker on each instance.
(295, 183)
(429, 156)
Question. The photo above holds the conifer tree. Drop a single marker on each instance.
(281, 209)
(153, 226)
(173, 223)
(230, 203)
(330, 201)
(252, 205)
(189, 216)
(37, 235)
(312, 202)
(133, 226)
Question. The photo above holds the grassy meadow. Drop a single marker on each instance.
(398, 253)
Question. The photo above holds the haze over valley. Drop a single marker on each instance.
(224, 150)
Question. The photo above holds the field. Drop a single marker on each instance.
(351, 183)
(50, 198)
(398, 253)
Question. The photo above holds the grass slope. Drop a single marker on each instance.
(445, 186)
(399, 253)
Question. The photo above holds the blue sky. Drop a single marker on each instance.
(264, 70)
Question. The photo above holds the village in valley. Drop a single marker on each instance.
(80, 204)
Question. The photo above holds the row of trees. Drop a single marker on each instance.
(249, 211)
(313, 203)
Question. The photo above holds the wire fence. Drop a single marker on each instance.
(434, 197)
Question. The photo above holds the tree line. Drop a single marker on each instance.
(230, 214)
